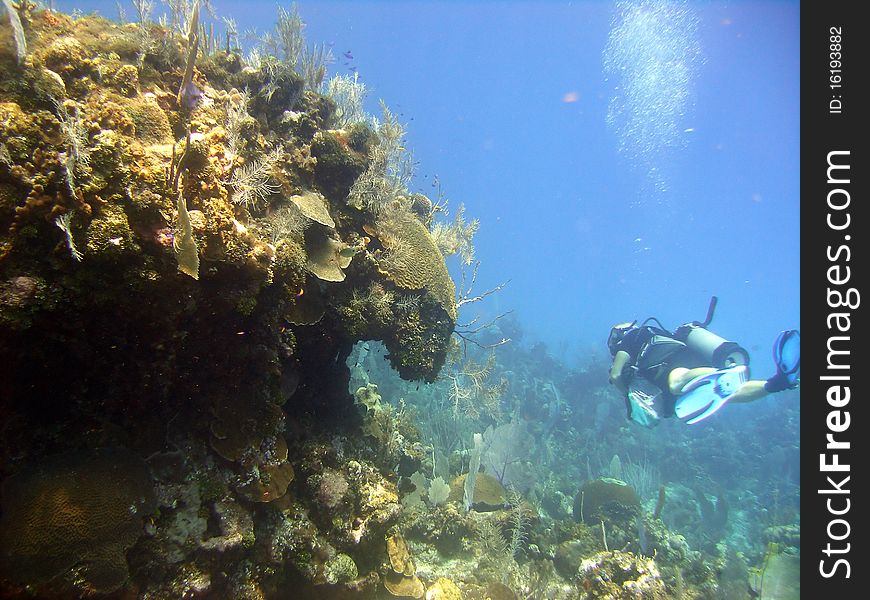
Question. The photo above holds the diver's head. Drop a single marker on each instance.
(617, 332)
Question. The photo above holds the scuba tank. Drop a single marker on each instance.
(720, 352)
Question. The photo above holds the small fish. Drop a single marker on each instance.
(348, 55)
(348, 251)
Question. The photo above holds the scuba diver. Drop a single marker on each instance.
(691, 373)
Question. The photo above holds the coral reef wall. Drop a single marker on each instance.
(181, 280)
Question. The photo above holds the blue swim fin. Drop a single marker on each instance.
(705, 395)
(787, 355)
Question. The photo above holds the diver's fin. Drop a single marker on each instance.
(787, 355)
(712, 409)
(705, 395)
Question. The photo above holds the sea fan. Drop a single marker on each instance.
(438, 491)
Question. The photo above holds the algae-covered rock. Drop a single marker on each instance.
(108, 234)
(340, 569)
(368, 397)
(337, 165)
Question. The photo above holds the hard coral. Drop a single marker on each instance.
(326, 258)
(400, 579)
(73, 518)
(443, 589)
(313, 205)
(597, 495)
(489, 494)
(416, 262)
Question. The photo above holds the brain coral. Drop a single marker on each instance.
(489, 494)
(75, 517)
(595, 495)
(415, 262)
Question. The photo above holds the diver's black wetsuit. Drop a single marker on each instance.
(635, 341)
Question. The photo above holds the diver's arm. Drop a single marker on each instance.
(619, 361)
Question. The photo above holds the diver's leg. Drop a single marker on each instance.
(680, 376)
(749, 391)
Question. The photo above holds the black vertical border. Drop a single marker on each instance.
(825, 129)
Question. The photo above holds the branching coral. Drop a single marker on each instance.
(373, 305)
(289, 43)
(237, 120)
(64, 223)
(492, 542)
(287, 223)
(75, 137)
(314, 63)
(519, 523)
